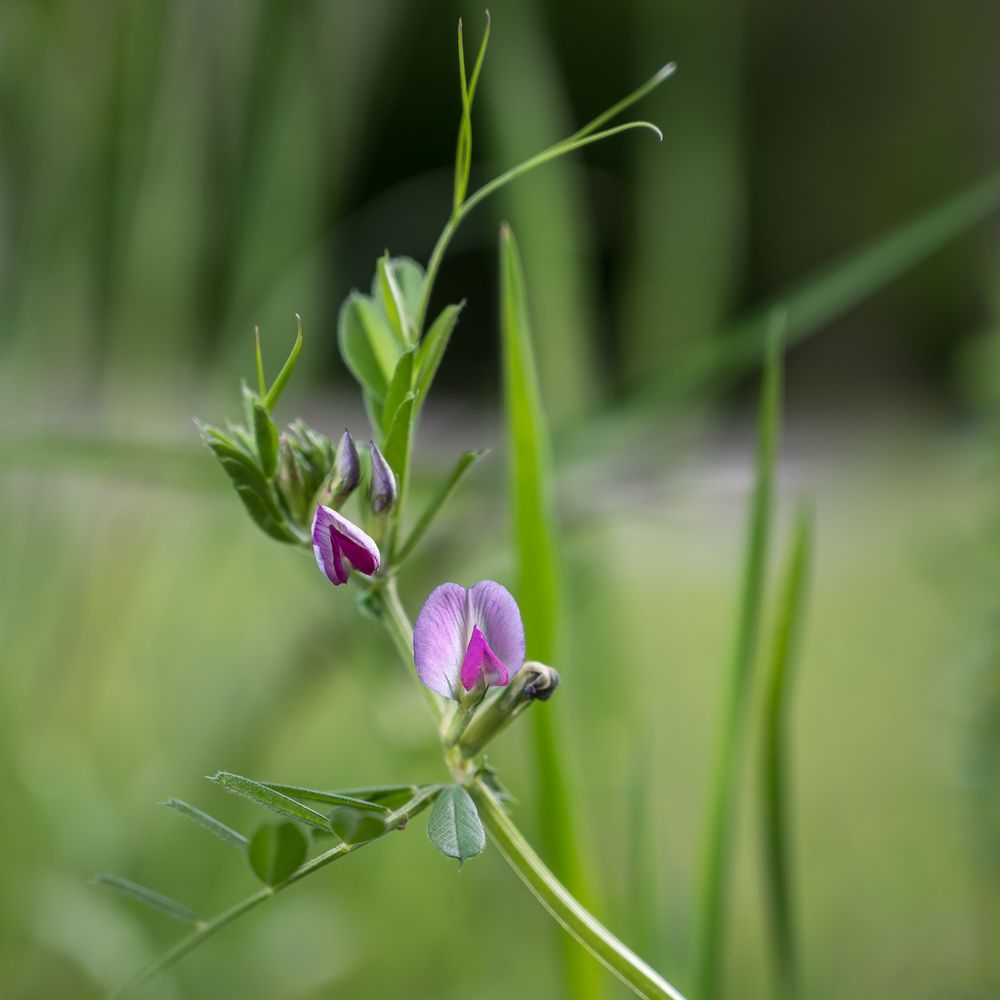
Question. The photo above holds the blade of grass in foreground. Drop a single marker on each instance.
(788, 630)
(723, 787)
(539, 587)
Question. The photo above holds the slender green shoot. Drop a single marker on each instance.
(261, 381)
(214, 826)
(461, 206)
(274, 393)
(626, 102)
(435, 504)
(723, 787)
(784, 650)
(463, 150)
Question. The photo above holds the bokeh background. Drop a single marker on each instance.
(172, 173)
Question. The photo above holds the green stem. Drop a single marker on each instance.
(561, 905)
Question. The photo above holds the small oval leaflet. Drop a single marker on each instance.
(454, 826)
(276, 850)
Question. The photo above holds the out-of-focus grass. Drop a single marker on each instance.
(151, 637)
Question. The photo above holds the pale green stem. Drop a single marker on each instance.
(561, 905)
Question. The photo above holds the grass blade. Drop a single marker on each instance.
(723, 788)
(261, 795)
(837, 287)
(155, 900)
(785, 643)
(210, 823)
(539, 585)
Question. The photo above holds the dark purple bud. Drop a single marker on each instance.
(383, 484)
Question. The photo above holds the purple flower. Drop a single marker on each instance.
(335, 540)
(464, 636)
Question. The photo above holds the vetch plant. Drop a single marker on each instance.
(467, 650)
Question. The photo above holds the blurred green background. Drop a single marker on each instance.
(173, 173)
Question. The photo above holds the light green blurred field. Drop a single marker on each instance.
(151, 636)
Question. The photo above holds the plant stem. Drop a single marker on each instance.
(561, 905)
(205, 930)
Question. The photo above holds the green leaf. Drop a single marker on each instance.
(368, 345)
(539, 581)
(437, 501)
(261, 795)
(454, 826)
(390, 297)
(432, 349)
(352, 799)
(276, 851)
(732, 725)
(249, 482)
(399, 388)
(153, 899)
(210, 823)
(266, 435)
(398, 441)
(409, 277)
(777, 855)
(355, 826)
(274, 393)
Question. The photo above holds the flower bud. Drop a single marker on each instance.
(382, 490)
(346, 470)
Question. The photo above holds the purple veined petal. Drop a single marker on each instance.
(440, 637)
(462, 634)
(335, 539)
(481, 661)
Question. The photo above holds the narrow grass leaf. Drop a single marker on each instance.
(276, 850)
(724, 786)
(207, 822)
(261, 795)
(835, 288)
(155, 900)
(539, 584)
(777, 854)
(454, 827)
(436, 502)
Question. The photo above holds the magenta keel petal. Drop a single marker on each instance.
(335, 539)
